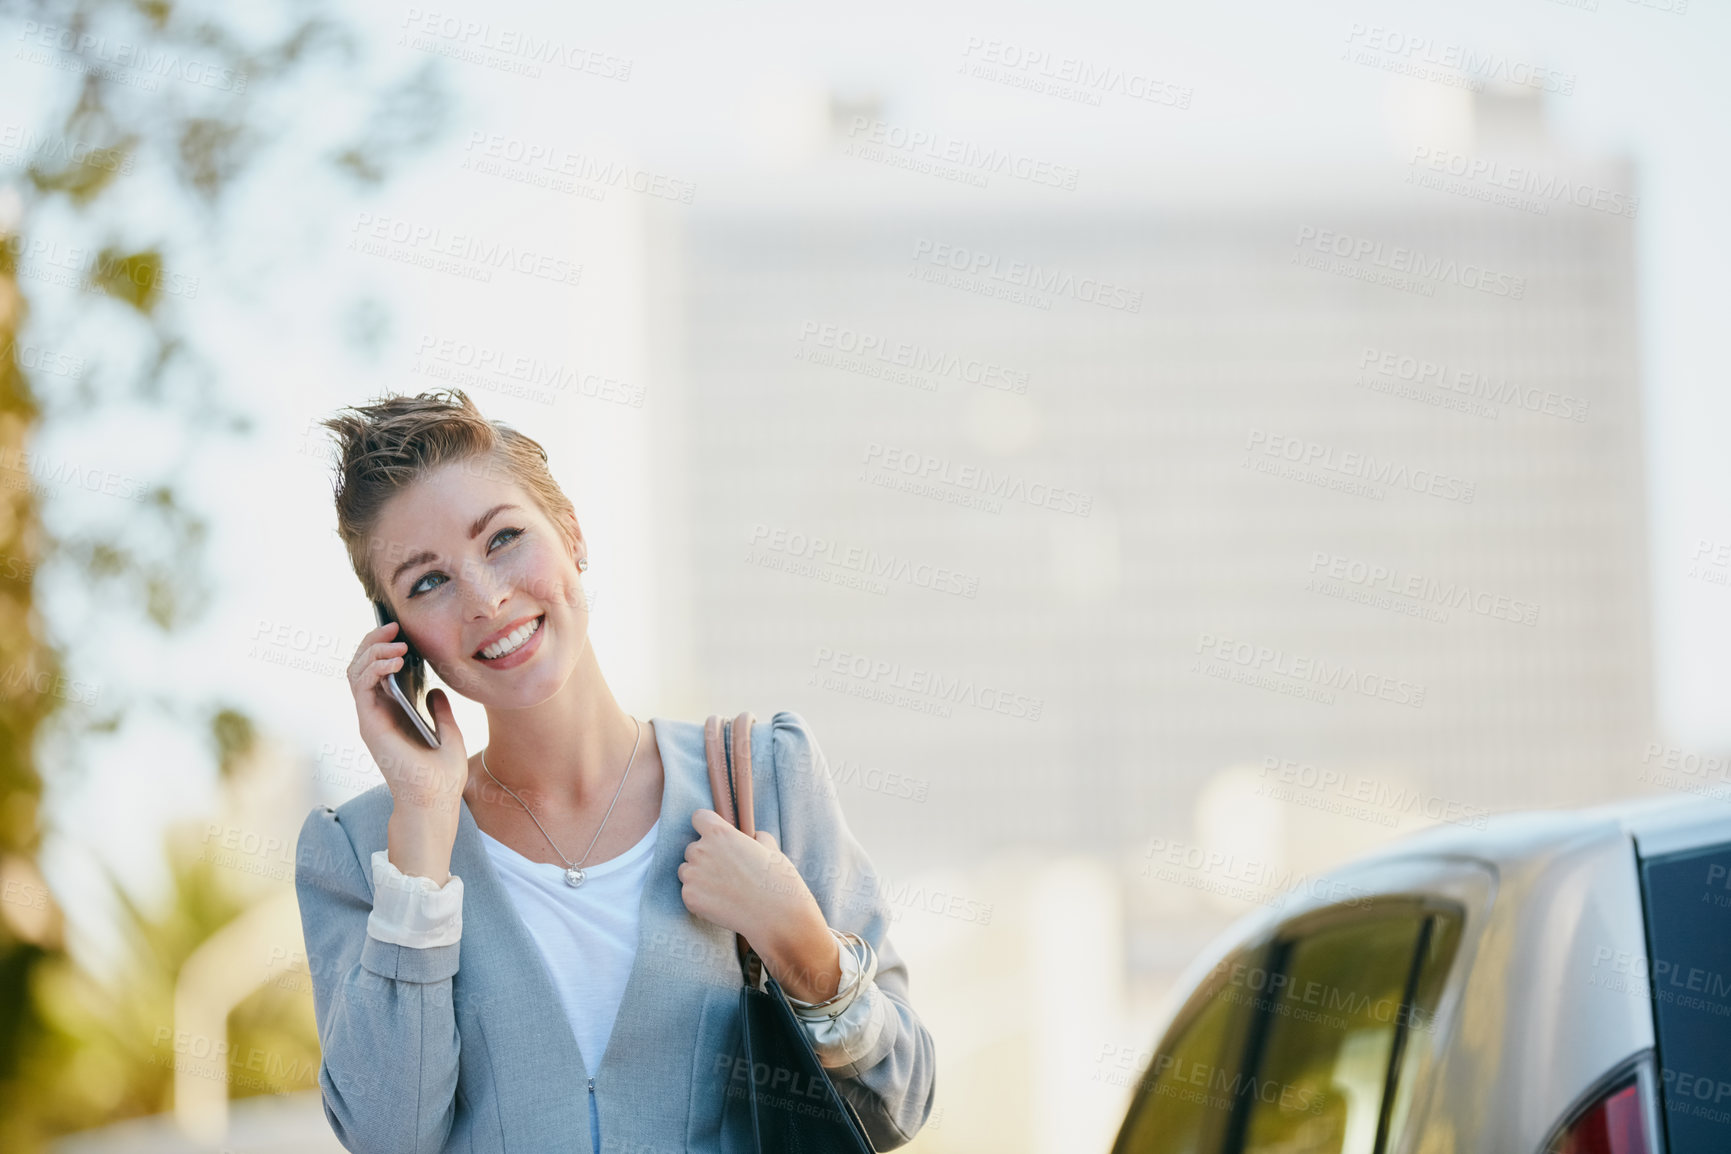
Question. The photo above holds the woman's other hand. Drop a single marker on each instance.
(749, 886)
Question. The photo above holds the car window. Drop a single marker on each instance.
(1184, 1101)
(1348, 996)
(1688, 903)
(1436, 956)
(1290, 1049)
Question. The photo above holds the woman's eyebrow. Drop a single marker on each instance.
(474, 531)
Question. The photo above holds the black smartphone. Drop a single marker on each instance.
(407, 684)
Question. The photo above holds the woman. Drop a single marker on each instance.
(576, 864)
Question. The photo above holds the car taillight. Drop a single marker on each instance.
(1616, 1123)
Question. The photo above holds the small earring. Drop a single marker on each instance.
(582, 563)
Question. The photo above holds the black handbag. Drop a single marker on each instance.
(795, 1108)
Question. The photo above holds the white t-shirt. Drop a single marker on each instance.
(586, 933)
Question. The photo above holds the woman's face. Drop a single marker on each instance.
(461, 571)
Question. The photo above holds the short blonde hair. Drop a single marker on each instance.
(384, 447)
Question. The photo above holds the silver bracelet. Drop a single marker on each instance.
(863, 956)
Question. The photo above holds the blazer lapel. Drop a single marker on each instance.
(538, 1074)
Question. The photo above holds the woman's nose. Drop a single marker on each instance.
(485, 590)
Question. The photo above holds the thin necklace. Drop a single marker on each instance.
(574, 874)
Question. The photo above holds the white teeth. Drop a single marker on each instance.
(510, 642)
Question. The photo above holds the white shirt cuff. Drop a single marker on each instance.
(854, 1037)
(848, 1032)
(412, 911)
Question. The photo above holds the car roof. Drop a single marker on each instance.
(1662, 825)
(1659, 825)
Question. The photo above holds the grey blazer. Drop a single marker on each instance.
(419, 1054)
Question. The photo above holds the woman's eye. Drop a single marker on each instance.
(417, 588)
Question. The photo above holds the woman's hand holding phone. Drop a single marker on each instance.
(426, 784)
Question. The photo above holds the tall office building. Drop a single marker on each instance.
(1053, 506)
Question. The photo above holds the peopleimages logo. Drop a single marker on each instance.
(1253, 879)
(50, 472)
(473, 40)
(864, 560)
(927, 468)
(947, 688)
(1400, 259)
(1058, 282)
(1068, 76)
(26, 146)
(1398, 51)
(79, 268)
(489, 153)
(915, 357)
(1354, 787)
(1546, 187)
(485, 360)
(37, 359)
(1470, 383)
(1390, 579)
(141, 58)
(1358, 467)
(1672, 765)
(466, 254)
(1267, 661)
(866, 134)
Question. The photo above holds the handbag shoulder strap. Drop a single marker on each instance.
(730, 776)
(727, 749)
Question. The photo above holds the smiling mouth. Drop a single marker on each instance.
(506, 646)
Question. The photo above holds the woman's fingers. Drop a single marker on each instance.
(444, 717)
(369, 657)
(374, 637)
(375, 671)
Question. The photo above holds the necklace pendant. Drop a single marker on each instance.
(573, 876)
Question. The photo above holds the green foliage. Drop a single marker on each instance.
(134, 277)
(77, 1048)
(235, 737)
(104, 1047)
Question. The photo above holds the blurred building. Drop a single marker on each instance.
(1057, 504)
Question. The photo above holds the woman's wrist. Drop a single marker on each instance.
(858, 967)
(805, 960)
(419, 844)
